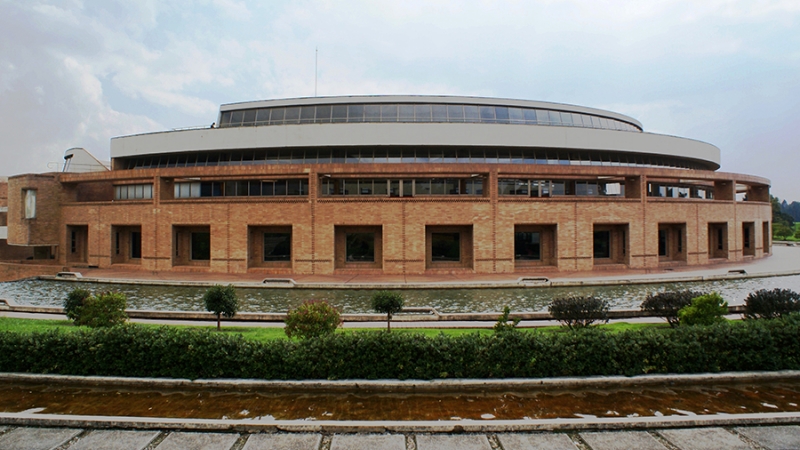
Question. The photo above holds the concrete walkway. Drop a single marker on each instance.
(711, 438)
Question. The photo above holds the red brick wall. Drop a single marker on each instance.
(42, 230)
(11, 271)
(403, 221)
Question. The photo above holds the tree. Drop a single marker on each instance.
(781, 230)
(388, 303)
(222, 301)
(780, 217)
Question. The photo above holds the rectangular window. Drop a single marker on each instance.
(355, 113)
(507, 187)
(339, 113)
(439, 113)
(73, 242)
(438, 186)
(422, 187)
(455, 113)
(720, 235)
(277, 246)
(422, 113)
(116, 243)
(445, 247)
(662, 242)
(527, 246)
(292, 115)
(307, 114)
(474, 187)
(201, 246)
(388, 113)
(30, 203)
(380, 187)
(372, 113)
(602, 244)
(136, 244)
(360, 247)
(471, 114)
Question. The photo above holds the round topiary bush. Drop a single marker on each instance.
(388, 303)
(104, 310)
(667, 304)
(312, 319)
(579, 312)
(73, 304)
(771, 304)
(705, 310)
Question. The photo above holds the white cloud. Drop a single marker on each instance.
(76, 73)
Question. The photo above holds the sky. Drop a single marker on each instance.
(77, 73)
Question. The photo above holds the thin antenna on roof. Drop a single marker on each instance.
(316, 56)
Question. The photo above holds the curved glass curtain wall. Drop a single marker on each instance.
(430, 113)
(437, 155)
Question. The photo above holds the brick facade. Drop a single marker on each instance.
(83, 204)
(396, 185)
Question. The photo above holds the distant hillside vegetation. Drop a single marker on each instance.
(792, 209)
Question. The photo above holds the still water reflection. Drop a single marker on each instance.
(174, 298)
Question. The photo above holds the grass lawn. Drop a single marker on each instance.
(16, 325)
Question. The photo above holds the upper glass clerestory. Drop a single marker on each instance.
(394, 112)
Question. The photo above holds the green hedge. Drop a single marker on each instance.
(136, 351)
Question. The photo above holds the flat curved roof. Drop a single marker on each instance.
(414, 134)
(428, 99)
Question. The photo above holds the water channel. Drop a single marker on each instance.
(267, 405)
(180, 298)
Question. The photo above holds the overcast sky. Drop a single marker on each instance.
(76, 73)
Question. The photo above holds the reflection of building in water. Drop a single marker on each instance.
(394, 184)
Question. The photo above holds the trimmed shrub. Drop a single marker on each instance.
(222, 301)
(705, 310)
(388, 303)
(104, 310)
(579, 312)
(74, 303)
(136, 351)
(770, 304)
(314, 318)
(504, 324)
(667, 304)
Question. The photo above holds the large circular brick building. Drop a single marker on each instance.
(397, 185)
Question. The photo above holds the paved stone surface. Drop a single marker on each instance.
(536, 441)
(704, 439)
(283, 441)
(769, 437)
(36, 438)
(621, 440)
(195, 441)
(774, 438)
(368, 442)
(115, 440)
(452, 442)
